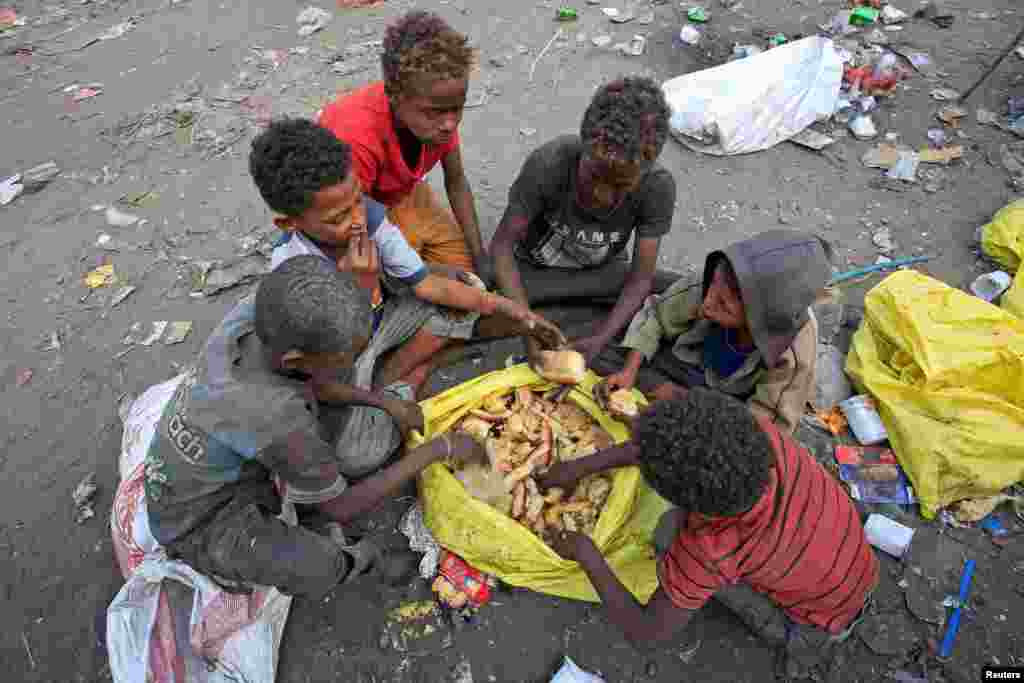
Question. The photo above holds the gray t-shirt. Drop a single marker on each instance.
(233, 420)
(563, 235)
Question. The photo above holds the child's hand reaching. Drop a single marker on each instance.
(362, 260)
(541, 329)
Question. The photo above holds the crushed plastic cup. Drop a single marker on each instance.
(744, 51)
(689, 35)
(991, 286)
(864, 420)
(888, 535)
(863, 127)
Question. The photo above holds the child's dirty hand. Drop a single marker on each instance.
(409, 416)
(623, 379)
(547, 333)
(362, 260)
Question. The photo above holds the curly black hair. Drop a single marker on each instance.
(629, 117)
(293, 159)
(307, 304)
(705, 453)
(422, 44)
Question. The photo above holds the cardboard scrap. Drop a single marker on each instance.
(886, 156)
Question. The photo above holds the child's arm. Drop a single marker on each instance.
(407, 414)
(659, 621)
(460, 196)
(370, 492)
(564, 475)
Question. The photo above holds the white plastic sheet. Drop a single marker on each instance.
(755, 103)
(170, 624)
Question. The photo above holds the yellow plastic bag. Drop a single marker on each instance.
(947, 370)
(499, 545)
(1013, 299)
(1003, 238)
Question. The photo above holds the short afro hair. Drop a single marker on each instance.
(307, 304)
(627, 120)
(422, 45)
(705, 453)
(293, 159)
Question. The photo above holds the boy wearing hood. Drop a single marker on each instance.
(744, 328)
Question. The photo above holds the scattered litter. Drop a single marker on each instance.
(991, 286)
(122, 294)
(82, 497)
(831, 385)
(865, 422)
(634, 47)
(9, 19)
(566, 14)
(117, 30)
(698, 15)
(933, 13)
(106, 242)
(138, 199)
(23, 377)
(891, 15)
(951, 115)
(689, 35)
(52, 342)
(217, 277)
(921, 61)
(777, 40)
(744, 51)
(887, 155)
(421, 540)
(619, 16)
(38, 177)
(945, 94)
(937, 138)
(459, 584)
(645, 19)
(986, 117)
(463, 672)
(878, 483)
(905, 168)
(179, 330)
(571, 673)
(1019, 51)
(864, 16)
(863, 127)
(812, 139)
(10, 188)
(145, 335)
(527, 132)
(311, 20)
(876, 37)
(888, 535)
(120, 219)
(832, 420)
(85, 93)
(941, 156)
(100, 277)
(953, 625)
(540, 55)
(601, 41)
(977, 509)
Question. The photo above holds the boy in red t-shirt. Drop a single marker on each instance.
(399, 129)
(759, 525)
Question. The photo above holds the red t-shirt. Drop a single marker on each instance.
(802, 545)
(363, 119)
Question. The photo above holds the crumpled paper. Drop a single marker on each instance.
(421, 540)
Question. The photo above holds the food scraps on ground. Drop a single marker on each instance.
(524, 434)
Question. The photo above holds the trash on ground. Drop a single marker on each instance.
(936, 138)
(121, 295)
(888, 535)
(953, 625)
(935, 14)
(977, 509)
(9, 19)
(744, 51)
(945, 343)
(117, 30)
(619, 16)
(10, 188)
(777, 39)
(311, 20)
(885, 155)
(601, 41)
(905, 168)
(100, 277)
(412, 610)
(214, 278)
(991, 286)
(833, 420)
(689, 35)
(889, 633)
(421, 540)
(921, 61)
(23, 377)
(463, 672)
(831, 383)
(52, 342)
(566, 14)
(645, 19)
(865, 422)
(951, 115)
(145, 335)
(571, 673)
(734, 109)
(864, 16)
(635, 47)
(82, 497)
(179, 330)
(119, 219)
(459, 585)
(892, 15)
(85, 93)
(697, 15)
(876, 37)
(863, 127)
(812, 139)
(945, 94)
(38, 177)
(878, 483)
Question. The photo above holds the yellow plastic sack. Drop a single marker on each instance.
(1013, 299)
(1003, 238)
(947, 370)
(499, 545)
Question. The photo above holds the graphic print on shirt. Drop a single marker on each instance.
(568, 247)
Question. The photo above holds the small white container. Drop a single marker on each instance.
(888, 535)
(991, 286)
(865, 422)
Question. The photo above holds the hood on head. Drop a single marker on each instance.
(780, 273)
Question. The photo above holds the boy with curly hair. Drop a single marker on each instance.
(577, 202)
(759, 525)
(249, 413)
(400, 128)
(308, 178)
(744, 327)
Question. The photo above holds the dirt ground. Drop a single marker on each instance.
(167, 140)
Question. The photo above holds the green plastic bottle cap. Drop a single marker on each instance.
(862, 16)
(697, 14)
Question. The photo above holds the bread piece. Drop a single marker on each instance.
(564, 367)
(622, 402)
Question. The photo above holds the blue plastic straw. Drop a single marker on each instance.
(954, 620)
(898, 263)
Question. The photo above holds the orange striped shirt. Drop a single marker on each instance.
(802, 545)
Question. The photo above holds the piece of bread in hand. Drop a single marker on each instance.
(564, 367)
(622, 402)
